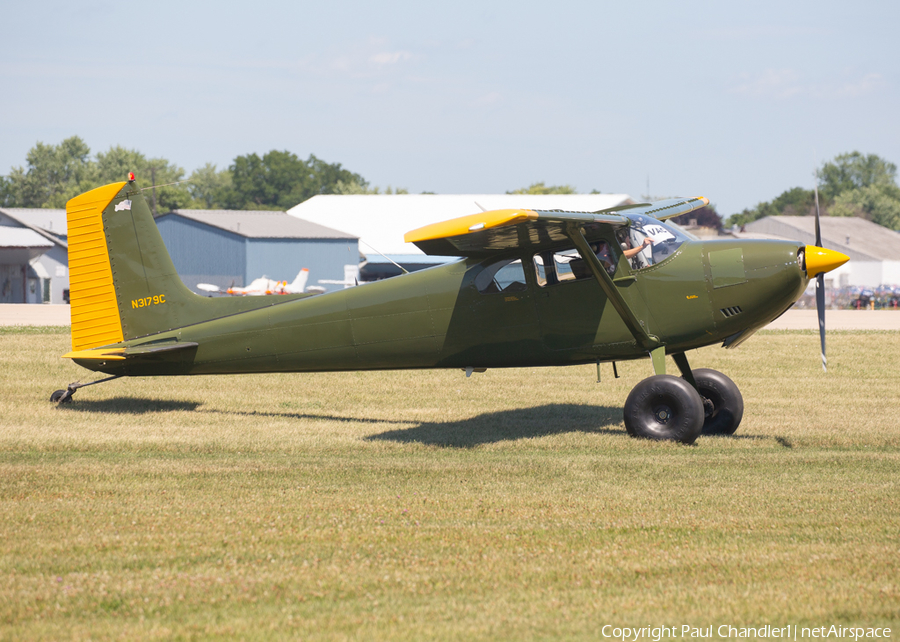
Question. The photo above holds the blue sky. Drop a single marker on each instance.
(733, 101)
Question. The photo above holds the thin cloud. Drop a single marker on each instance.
(781, 84)
(771, 83)
(766, 32)
(389, 57)
(868, 84)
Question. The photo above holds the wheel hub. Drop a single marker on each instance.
(663, 414)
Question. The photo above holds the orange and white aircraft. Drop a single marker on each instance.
(262, 285)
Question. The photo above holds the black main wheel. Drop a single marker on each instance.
(722, 402)
(664, 408)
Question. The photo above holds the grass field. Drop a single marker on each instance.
(424, 505)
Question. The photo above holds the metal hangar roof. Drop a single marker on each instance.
(261, 224)
(856, 237)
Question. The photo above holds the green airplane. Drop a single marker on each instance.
(530, 288)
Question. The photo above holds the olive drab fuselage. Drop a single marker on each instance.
(531, 288)
(705, 293)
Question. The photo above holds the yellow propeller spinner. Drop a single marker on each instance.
(820, 260)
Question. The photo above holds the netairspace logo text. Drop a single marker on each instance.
(726, 631)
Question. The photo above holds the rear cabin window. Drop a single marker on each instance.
(503, 276)
(567, 265)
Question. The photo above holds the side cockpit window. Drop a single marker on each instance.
(502, 276)
(648, 241)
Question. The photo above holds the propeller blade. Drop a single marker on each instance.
(820, 282)
(820, 309)
(818, 231)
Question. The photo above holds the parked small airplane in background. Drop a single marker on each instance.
(262, 285)
(530, 288)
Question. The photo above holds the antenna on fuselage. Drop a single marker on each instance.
(403, 269)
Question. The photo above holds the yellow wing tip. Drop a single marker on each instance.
(469, 224)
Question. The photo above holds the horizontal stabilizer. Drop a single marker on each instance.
(123, 353)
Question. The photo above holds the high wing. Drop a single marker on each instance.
(499, 230)
(661, 210)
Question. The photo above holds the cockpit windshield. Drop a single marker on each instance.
(664, 240)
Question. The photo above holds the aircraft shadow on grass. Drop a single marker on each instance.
(130, 405)
(487, 428)
(510, 425)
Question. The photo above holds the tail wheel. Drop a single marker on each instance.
(722, 401)
(664, 408)
(58, 395)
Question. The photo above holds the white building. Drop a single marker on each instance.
(381, 220)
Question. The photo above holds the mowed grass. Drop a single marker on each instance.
(425, 505)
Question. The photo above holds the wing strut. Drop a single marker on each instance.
(646, 341)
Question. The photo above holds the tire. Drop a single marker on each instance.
(722, 401)
(61, 395)
(664, 408)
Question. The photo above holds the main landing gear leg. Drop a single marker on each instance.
(723, 405)
(65, 396)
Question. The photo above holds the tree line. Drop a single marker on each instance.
(277, 180)
(853, 184)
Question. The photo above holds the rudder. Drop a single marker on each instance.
(123, 284)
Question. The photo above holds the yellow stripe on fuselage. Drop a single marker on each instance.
(92, 294)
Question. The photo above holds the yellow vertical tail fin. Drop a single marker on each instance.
(92, 293)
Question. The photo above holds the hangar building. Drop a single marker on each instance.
(233, 247)
(34, 263)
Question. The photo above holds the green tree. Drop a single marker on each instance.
(340, 187)
(324, 177)
(540, 188)
(793, 202)
(209, 188)
(705, 217)
(851, 184)
(114, 165)
(263, 183)
(280, 180)
(878, 203)
(854, 171)
(153, 176)
(53, 174)
(6, 192)
(353, 187)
